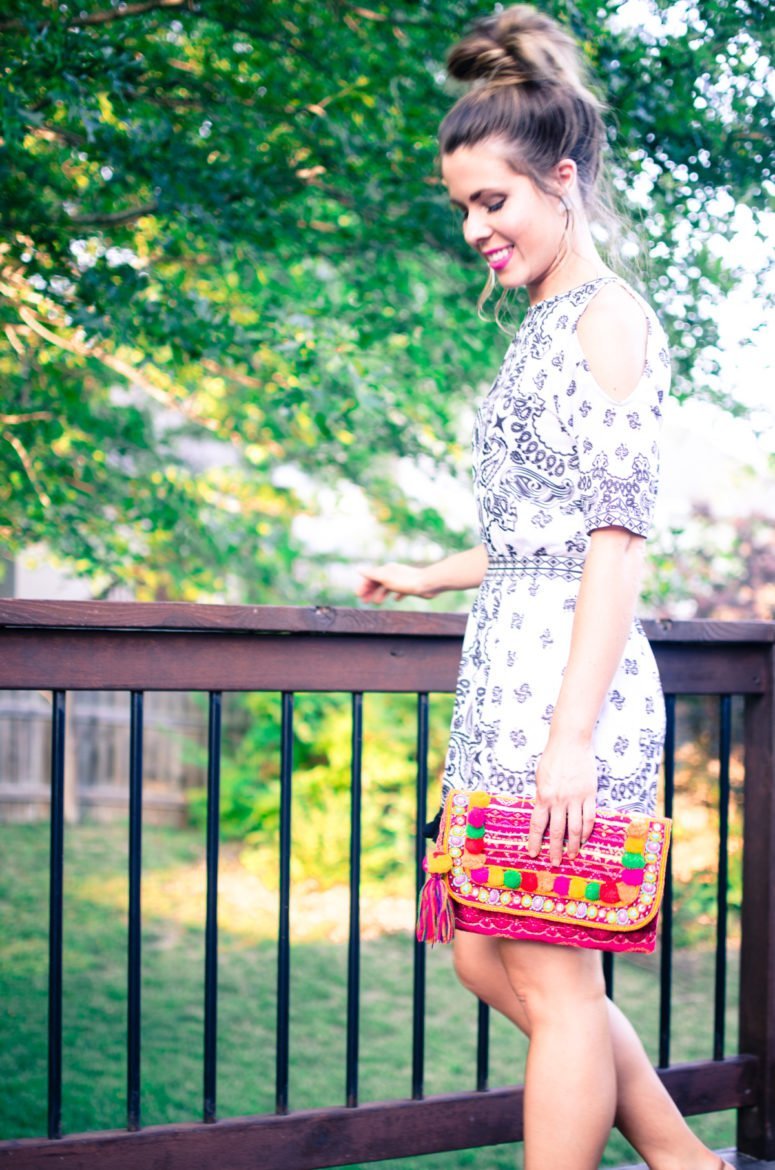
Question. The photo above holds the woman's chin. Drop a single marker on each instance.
(509, 280)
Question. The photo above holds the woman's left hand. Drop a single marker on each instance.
(566, 791)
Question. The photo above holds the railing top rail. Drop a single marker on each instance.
(19, 613)
(224, 619)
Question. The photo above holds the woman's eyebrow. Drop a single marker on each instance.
(477, 195)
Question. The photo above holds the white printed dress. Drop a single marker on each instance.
(555, 458)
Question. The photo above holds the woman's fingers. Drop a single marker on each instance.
(570, 821)
(574, 829)
(538, 822)
(371, 589)
(557, 824)
(588, 811)
(554, 818)
(382, 581)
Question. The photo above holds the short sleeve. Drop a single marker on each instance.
(617, 445)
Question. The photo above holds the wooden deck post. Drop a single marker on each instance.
(756, 1125)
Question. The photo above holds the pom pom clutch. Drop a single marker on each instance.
(482, 879)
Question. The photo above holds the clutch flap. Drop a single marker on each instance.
(615, 883)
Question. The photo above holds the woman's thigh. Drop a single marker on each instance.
(479, 967)
(544, 975)
(517, 977)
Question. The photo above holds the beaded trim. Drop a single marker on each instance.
(615, 883)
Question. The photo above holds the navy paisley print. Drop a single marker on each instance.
(554, 458)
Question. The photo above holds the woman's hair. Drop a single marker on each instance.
(529, 90)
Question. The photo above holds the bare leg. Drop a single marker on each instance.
(645, 1112)
(570, 1079)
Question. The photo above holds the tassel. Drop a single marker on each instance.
(436, 916)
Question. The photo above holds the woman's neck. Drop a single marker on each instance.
(577, 262)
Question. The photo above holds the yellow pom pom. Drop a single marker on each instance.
(496, 875)
(479, 799)
(439, 863)
(578, 887)
(634, 845)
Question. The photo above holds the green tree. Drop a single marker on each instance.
(224, 222)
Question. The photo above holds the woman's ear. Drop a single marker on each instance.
(566, 175)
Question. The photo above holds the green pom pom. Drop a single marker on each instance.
(592, 891)
(512, 878)
(476, 834)
(633, 861)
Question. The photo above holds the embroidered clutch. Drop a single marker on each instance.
(482, 879)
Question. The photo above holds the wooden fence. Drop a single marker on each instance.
(96, 780)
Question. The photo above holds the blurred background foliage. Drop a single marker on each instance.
(230, 280)
(322, 776)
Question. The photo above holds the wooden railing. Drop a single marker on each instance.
(62, 647)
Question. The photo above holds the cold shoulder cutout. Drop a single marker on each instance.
(613, 335)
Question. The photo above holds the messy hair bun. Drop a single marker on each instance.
(529, 90)
(520, 46)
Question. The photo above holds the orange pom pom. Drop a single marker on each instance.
(438, 863)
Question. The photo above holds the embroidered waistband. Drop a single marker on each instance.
(564, 568)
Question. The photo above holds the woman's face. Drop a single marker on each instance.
(518, 229)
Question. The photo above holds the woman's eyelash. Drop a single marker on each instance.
(490, 207)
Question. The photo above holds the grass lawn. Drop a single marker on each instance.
(173, 964)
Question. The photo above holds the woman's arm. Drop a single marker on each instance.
(460, 571)
(566, 778)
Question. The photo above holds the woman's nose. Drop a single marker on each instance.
(476, 230)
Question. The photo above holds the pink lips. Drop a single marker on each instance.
(496, 265)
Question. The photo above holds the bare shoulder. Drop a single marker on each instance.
(613, 334)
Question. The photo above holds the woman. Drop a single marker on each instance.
(558, 697)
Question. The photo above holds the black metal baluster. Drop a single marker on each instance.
(608, 973)
(354, 946)
(418, 1002)
(482, 1047)
(135, 923)
(211, 921)
(666, 937)
(725, 741)
(55, 933)
(284, 931)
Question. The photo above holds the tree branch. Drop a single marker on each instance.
(13, 338)
(48, 133)
(133, 374)
(111, 218)
(214, 367)
(12, 420)
(26, 463)
(104, 17)
(147, 379)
